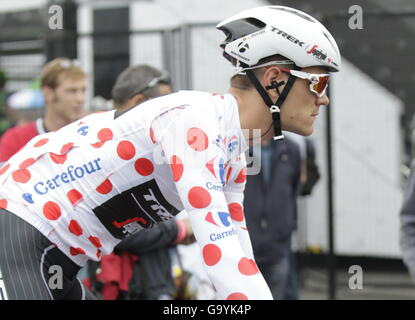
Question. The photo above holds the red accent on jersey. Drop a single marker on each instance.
(119, 225)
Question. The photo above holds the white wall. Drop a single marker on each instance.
(19, 5)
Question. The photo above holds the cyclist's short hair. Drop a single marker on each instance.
(135, 80)
(59, 68)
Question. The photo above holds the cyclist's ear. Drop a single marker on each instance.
(273, 81)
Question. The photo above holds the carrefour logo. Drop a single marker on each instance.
(222, 235)
(220, 219)
(71, 173)
(214, 187)
(233, 143)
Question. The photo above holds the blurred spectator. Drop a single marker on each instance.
(312, 172)
(407, 230)
(63, 84)
(310, 175)
(140, 267)
(270, 209)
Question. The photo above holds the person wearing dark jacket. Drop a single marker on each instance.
(152, 274)
(270, 210)
(407, 224)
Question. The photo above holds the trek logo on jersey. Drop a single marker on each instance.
(71, 173)
(140, 207)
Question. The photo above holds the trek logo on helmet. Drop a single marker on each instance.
(287, 36)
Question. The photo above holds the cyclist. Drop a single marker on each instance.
(71, 195)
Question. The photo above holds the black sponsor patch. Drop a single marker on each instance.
(134, 209)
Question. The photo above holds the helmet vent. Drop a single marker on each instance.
(255, 22)
(330, 39)
(297, 13)
(240, 28)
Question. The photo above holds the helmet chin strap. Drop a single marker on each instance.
(274, 107)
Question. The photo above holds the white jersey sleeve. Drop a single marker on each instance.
(234, 193)
(198, 166)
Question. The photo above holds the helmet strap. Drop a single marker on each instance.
(274, 107)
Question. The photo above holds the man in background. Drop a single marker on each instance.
(270, 208)
(63, 84)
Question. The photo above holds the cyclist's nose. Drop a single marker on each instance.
(324, 100)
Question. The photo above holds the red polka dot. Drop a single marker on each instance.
(237, 296)
(236, 211)
(126, 150)
(152, 137)
(98, 253)
(199, 197)
(247, 267)
(76, 251)
(105, 187)
(144, 167)
(75, 228)
(241, 178)
(41, 142)
(95, 241)
(4, 168)
(26, 163)
(57, 158)
(98, 144)
(197, 139)
(176, 166)
(66, 147)
(211, 254)
(74, 196)
(3, 204)
(22, 175)
(51, 210)
(105, 135)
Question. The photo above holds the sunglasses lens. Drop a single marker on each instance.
(321, 86)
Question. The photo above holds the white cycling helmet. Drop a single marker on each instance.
(263, 32)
